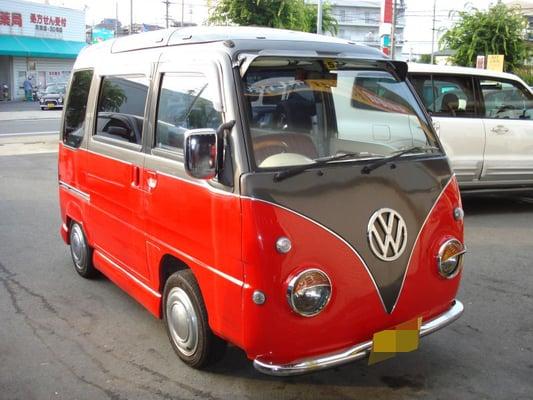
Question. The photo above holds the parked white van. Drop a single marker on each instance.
(485, 121)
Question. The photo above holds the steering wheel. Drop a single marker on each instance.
(285, 159)
(505, 107)
(272, 144)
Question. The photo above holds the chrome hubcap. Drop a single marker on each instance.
(78, 247)
(182, 321)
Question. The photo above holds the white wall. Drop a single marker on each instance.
(73, 30)
(51, 69)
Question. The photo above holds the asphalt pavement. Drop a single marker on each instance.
(19, 117)
(63, 337)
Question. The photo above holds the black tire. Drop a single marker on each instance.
(81, 252)
(193, 341)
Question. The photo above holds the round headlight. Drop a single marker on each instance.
(450, 258)
(309, 292)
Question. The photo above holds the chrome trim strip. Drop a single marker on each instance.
(132, 277)
(76, 191)
(353, 353)
(418, 237)
(331, 233)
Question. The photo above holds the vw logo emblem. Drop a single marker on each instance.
(387, 234)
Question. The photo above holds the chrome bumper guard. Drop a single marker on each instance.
(350, 354)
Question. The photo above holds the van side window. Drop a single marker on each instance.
(446, 95)
(185, 102)
(121, 107)
(424, 88)
(506, 100)
(74, 127)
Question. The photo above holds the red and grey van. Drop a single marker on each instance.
(280, 191)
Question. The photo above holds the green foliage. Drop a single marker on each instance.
(500, 30)
(526, 73)
(113, 97)
(285, 14)
(329, 23)
(425, 59)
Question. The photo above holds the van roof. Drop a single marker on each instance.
(243, 38)
(447, 69)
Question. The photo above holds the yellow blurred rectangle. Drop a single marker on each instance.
(404, 338)
(406, 341)
(495, 62)
(384, 342)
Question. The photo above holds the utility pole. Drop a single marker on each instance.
(131, 17)
(319, 18)
(393, 31)
(433, 33)
(182, 12)
(116, 18)
(167, 3)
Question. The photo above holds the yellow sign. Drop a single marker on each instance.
(402, 339)
(495, 62)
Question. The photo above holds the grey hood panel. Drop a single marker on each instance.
(343, 200)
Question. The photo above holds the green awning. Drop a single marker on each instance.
(23, 46)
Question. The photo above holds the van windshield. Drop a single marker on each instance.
(303, 110)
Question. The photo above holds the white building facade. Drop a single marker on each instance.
(360, 21)
(38, 41)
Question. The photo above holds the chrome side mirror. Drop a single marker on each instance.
(200, 153)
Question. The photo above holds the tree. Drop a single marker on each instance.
(425, 59)
(500, 30)
(329, 23)
(286, 14)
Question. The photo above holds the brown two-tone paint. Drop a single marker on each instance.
(342, 199)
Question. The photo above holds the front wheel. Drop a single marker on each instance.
(81, 252)
(185, 318)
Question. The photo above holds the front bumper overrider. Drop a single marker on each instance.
(353, 353)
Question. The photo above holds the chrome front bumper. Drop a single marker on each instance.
(353, 353)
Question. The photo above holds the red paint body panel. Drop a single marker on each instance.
(355, 311)
(229, 243)
(135, 227)
(201, 227)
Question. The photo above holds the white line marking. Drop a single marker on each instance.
(28, 133)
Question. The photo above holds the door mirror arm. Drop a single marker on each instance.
(222, 132)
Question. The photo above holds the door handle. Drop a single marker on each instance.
(135, 175)
(151, 180)
(500, 130)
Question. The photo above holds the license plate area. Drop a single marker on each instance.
(402, 338)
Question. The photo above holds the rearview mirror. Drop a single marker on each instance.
(200, 153)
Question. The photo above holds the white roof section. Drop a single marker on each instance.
(202, 34)
(447, 69)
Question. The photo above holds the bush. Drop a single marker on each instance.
(526, 73)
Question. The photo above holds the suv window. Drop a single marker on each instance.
(451, 96)
(185, 102)
(74, 127)
(121, 107)
(506, 100)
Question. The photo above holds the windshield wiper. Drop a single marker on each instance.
(298, 169)
(378, 163)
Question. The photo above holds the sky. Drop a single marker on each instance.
(418, 15)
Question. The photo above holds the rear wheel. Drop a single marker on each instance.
(82, 255)
(185, 318)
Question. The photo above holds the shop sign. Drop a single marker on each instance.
(48, 24)
(10, 19)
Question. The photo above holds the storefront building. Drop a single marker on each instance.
(38, 41)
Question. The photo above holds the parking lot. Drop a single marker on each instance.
(67, 338)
